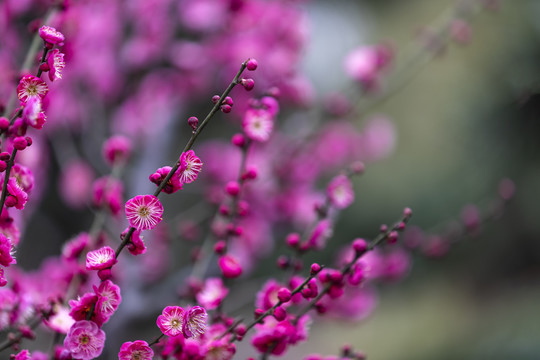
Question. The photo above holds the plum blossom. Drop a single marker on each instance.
(340, 192)
(85, 340)
(56, 63)
(51, 36)
(100, 259)
(190, 166)
(108, 298)
(212, 293)
(258, 124)
(31, 87)
(144, 212)
(194, 322)
(171, 320)
(136, 350)
(172, 186)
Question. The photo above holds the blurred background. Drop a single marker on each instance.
(465, 120)
(466, 115)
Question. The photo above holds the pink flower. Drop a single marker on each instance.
(109, 298)
(16, 197)
(60, 321)
(268, 296)
(74, 247)
(190, 166)
(322, 232)
(171, 320)
(230, 267)
(172, 186)
(56, 63)
(51, 36)
(136, 350)
(32, 113)
(85, 340)
(107, 192)
(3, 280)
(100, 259)
(117, 149)
(258, 124)
(136, 245)
(23, 355)
(144, 212)
(340, 192)
(274, 337)
(366, 64)
(6, 251)
(212, 293)
(29, 87)
(24, 177)
(194, 322)
(82, 306)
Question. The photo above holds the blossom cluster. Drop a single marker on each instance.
(269, 187)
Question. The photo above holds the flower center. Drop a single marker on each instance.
(84, 339)
(143, 211)
(32, 89)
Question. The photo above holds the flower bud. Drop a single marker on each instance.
(20, 143)
(284, 295)
(280, 314)
(220, 247)
(239, 140)
(248, 84)
(193, 122)
(315, 268)
(232, 188)
(292, 240)
(393, 237)
(251, 65)
(4, 123)
(105, 274)
(359, 246)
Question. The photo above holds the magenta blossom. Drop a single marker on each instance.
(190, 166)
(85, 340)
(24, 177)
(29, 87)
(136, 245)
(6, 248)
(258, 124)
(340, 192)
(117, 149)
(16, 197)
(144, 212)
(230, 267)
(107, 192)
(23, 355)
(194, 322)
(32, 113)
(212, 293)
(136, 350)
(81, 307)
(74, 247)
(51, 36)
(172, 186)
(56, 63)
(171, 320)
(100, 259)
(109, 298)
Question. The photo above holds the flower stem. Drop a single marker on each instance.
(188, 146)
